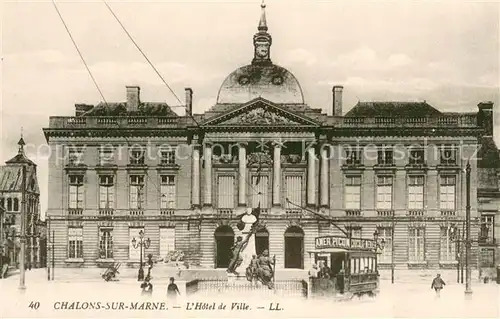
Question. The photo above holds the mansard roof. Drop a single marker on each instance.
(393, 109)
(120, 109)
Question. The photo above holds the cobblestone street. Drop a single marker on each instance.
(398, 300)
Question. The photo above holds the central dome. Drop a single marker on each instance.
(268, 81)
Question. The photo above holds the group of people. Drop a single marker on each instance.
(320, 270)
(172, 289)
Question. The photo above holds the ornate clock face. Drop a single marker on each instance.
(262, 51)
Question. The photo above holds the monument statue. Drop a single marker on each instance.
(244, 248)
(262, 269)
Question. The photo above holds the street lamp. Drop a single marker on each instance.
(378, 245)
(141, 244)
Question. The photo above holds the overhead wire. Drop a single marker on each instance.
(163, 80)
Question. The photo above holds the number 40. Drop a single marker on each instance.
(34, 305)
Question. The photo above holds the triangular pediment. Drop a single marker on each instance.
(262, 113)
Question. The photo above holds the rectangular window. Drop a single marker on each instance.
(384, 192)
(167, 241)
(105, 243)
(225, 191)
(75, 155)
(136, 191)
(489, 222)
(385, 157)
(106, 156)
(385, 233)
(75, 242)
(415, 192)
(168, 192)
(448, 156)
(447, 188)
(352, 192)
(75, 191)
(106, 192)
(416, 244)
(356, 232)
(134, 253)
(487, 257)
(353, 156)
(417, 157)
(167, 157)
(448, 246)
(260, 191)
(293, 191)
(137, 156)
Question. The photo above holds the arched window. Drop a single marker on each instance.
(294, 247)
(9, 204)
(224, 240)
(261, 241)
(16, 204)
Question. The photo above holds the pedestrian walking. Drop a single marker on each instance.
(172, 290)
(437, 285)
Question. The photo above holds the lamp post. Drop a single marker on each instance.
(378, 245)
(142, 243)
(468, 242)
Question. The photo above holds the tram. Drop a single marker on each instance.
(347, 268)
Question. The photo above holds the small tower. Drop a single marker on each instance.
(262, 40)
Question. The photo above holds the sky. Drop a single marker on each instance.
(444, 52)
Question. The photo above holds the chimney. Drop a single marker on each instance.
(133, 98)
(337, 100)
(82, 108)
(189, 101)
(485, 117)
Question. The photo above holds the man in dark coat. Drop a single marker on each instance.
(437, 284)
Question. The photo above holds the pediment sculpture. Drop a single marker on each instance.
(260, 116)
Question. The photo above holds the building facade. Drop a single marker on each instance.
(395, 167)
(16, 204)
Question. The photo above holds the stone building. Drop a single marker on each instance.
(11, 212)
(395, 167)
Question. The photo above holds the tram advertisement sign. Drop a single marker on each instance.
(343, 242)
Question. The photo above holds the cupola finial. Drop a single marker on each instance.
(262, 22)
(21, 143)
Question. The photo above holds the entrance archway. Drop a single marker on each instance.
(294, 247)
(261, 241)
(224, 240)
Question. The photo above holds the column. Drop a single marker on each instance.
(242, 162)
(195, 176)
(325, 173)
(207, 154)
(277, 175)
(311, 177)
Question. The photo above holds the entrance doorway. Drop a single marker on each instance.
(261, 241)
(224, 240)
(294, 248)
